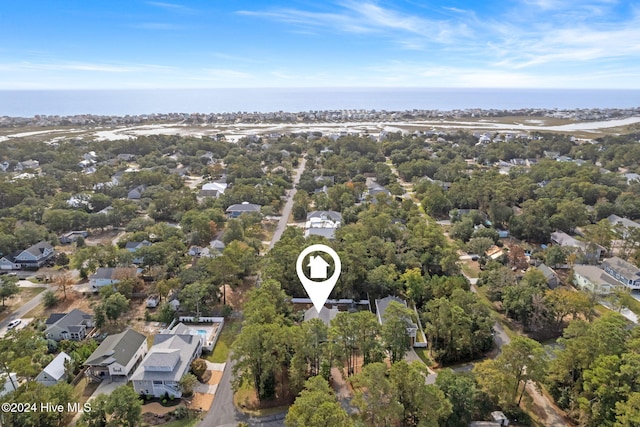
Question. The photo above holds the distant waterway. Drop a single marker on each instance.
(27, 103)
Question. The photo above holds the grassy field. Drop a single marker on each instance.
(228, 335)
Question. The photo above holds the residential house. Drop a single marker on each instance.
(381, 307)
(550, 276)
(109, 276)
(27, 164)
(136, 193)
(234, 211)
(623, 271)
(592, 252)
(166, 363)
(126, 157)
(213, 189)
(9, 383)
(322, 223)
(117, 356)
(74, 325)
(72, 236)
(133, 247)
(373, 189)
(8, 263)
(594, 279)
(54, 372)
(625, 224)
(326, 314)
(31, 258)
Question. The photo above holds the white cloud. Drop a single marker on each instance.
(172, 7)
(370, 18)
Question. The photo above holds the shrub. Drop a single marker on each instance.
(199, 367)
(49, 299)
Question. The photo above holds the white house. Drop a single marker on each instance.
(322, 223)
(109, 276)
(594, 279)
(54, 372)
(168, 360)
(117, 356)
(213, 189)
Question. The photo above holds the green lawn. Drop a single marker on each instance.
(230, 331)
(423, 354)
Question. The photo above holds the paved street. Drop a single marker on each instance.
(223, 412)
(20, 312)
(286, 211)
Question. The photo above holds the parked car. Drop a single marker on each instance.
(13, 324)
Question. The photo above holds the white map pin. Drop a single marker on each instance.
(318, 291)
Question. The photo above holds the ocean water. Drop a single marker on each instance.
(27, 103)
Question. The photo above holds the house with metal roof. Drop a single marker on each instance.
(54, 372)
(117, 356)
(168, 360)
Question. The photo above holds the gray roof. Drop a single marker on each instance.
(171, 351)
(546, 271)
(563, 239)
(75, 317)
(136, 245)
(625, 222)
(55, 369)
(595, 275)
(103, 273)
(109, 272)
(382, 304)
(332, 215)
(329, 233)
(244, 207)
(39, 248)
(117, 348)
(54, 318)
(326, 314)
(623, 267)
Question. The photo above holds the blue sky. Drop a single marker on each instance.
(236, 43)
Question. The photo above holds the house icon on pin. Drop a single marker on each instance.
(318, 267)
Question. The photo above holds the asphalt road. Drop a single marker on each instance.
(286, 211)
(223, 412)
(20, 312)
